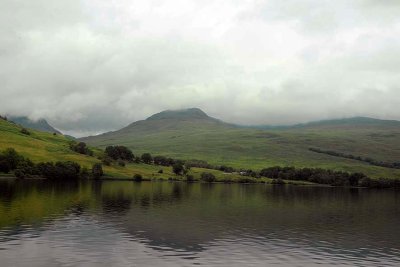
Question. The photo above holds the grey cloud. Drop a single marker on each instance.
(90, 66)
(315, 16)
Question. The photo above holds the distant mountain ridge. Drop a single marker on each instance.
(187, 120)
(41, 124)
(192, 134)
(352, 121)
(196, 118)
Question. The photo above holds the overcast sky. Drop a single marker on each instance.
(96, 65)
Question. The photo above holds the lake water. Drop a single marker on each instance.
(116, 223)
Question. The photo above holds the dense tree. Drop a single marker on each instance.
(81, 148)
(163, 161)
(107, 161)
(12, 157)
(119, 152)
(137, 178)
(189, 178)
(146, 158)
(178, 168)
(84, 172)
(226, 169)
(207, 177)
(316, 175)
(97, 170)
(198, 164)
(25, 131)
(67, 170)
(4, 164)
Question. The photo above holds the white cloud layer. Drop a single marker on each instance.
(95, 65)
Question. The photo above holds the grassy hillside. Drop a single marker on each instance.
(41, 125)
(201, 137)
(42, 147)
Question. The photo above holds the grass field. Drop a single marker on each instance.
(42, 147)
(239, 147)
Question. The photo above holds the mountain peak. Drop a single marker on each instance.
(40, 124)
(181, 114)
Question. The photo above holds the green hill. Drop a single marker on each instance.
(192, 134)
(46, 147)
(40, 125)
(42, 146)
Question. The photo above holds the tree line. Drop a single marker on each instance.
(277, 173)
(11, 160)
(23, 167)
(393, 165)
(328, 177)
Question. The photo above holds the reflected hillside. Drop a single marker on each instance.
(190, 217)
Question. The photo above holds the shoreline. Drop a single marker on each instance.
(121, 179)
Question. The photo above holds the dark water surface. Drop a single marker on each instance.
(176, 224)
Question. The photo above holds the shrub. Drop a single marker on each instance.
(189, 178)
(207, 177)
(84, 172)
(160, 171)
(317, 175)
(25, 131)
(278, 181)
(226, 169)
(25, 169)
(227, 180)
(106, 161)
(97, 170)
(198, 163)
(67, 170)
(137, 177)
(365, 182)
(19, 173)
(4, 165)
(246, 180)
(80, 148)
(121, 163)
(146, 158)
(119, 152)
(178, 168)
(161, 160)
(12, 158)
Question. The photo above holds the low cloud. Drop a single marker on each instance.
(93, 66)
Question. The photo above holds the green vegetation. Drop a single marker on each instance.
(40, 125)
(80, 148)
(137, 178)
(46, 147)
(119, 152)
(25, 131)
(394, 165)
(97, 171)
(147, 158)
(208, 177)
(35, 153)
(196, 136)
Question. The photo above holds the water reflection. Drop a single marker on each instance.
(185, 224)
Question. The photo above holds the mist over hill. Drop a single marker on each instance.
(40, 124)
